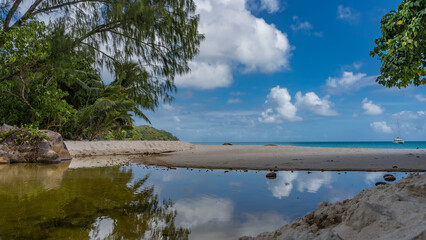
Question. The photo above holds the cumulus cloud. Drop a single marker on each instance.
(234, 37)
(270, 5)
(206, 76)
(347, 14)
(371, 108)
(283, 185)
(202, 210)
(282, 109)
(312, 102)
(381, 127)
(421, 98)
(313, 182)
(348, 82)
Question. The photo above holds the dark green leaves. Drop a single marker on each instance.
(402, 48)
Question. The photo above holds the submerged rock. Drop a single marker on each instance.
(389, 177)
(271, 175)
(21, 145)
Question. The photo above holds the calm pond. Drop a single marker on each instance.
(139, 202)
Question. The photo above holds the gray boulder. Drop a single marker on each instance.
(22, 146)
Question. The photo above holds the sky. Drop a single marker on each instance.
(286, 70)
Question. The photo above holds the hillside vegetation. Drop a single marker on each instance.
(143, 132)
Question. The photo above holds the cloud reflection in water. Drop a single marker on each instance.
(283, 184)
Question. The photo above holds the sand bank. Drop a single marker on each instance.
(293, 158)
(394, 211)
(109, 148)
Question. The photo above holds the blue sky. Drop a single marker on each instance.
(286, 70)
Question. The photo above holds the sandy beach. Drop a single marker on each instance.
(293, 158)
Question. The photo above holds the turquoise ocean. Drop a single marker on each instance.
(387, 144)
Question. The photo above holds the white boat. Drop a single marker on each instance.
(398, 140)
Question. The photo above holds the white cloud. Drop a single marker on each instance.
(303, 26)
(421, 98)
(282, 110)
(313, 182)
(371, 108)
(234, 38)
(381, 127)
(206, 76)
(409, 115)
(234, 100)
(202, 210)
(299, 25)
(282, 186)
(349, 82)
(270, 5)
(312, 102)
(176, 118)
(373, 177)
(347, 14)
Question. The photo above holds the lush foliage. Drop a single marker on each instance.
(143, 132)
(51, 74)
(402, 47)
(24, 136)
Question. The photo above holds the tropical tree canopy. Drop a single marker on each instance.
(402, 47)
(144, 44)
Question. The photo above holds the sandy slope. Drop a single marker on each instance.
(108, 148)
(396, 211)
(294, 158)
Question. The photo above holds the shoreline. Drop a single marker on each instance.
(246, 157)
(239, 157)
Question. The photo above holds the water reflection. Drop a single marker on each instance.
(283, 185)
(137, 202)
(87, 203)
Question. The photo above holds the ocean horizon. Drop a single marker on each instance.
(334, 144)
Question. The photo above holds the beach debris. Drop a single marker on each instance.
(271, 175)
(228, 144)
(271, 145)
(389, 177)
(381, 183)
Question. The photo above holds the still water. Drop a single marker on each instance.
(139, 202)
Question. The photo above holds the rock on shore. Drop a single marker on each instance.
(21, 145)
(396, 211)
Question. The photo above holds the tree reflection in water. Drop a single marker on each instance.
(36, 204)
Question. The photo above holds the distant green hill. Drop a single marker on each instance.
(144, 132)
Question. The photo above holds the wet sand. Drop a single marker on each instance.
(293, 158)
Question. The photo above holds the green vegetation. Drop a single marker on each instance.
(143, 132)
(402, 47)
(23, 136)
(50, 75)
